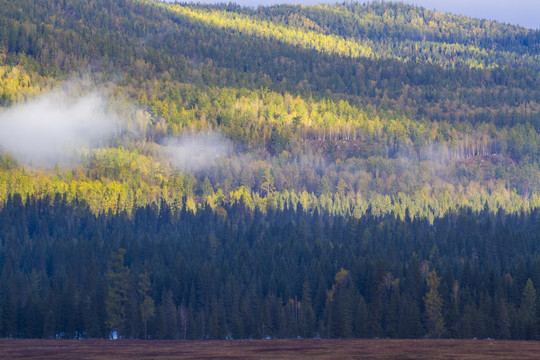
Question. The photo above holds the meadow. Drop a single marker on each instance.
(269, 349)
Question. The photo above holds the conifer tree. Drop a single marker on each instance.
(433, 302)
(528, 309)
(117, 293)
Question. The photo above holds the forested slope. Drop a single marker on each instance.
(235, 131)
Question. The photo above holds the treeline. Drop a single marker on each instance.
(412, 33)
(122, 181)
(235, 273)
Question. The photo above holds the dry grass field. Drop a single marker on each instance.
(269, 349)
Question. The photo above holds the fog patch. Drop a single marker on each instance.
(54, 128)
(197, 152)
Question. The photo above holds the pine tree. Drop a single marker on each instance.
(306, 313)
(433, 302)
(117, 294)
(528, 309)
(147, 306)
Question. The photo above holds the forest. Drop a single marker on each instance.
(225, 172)
(237, 273)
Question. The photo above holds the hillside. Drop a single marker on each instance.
(387, 127)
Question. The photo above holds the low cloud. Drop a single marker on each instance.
(197, 152)
(54, 128)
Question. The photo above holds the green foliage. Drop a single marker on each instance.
(528, 311)
(434, 304)
(118, 293)
(147, 305)
(17, 83)
(267, 30)
(244, 275)
(413, 34)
